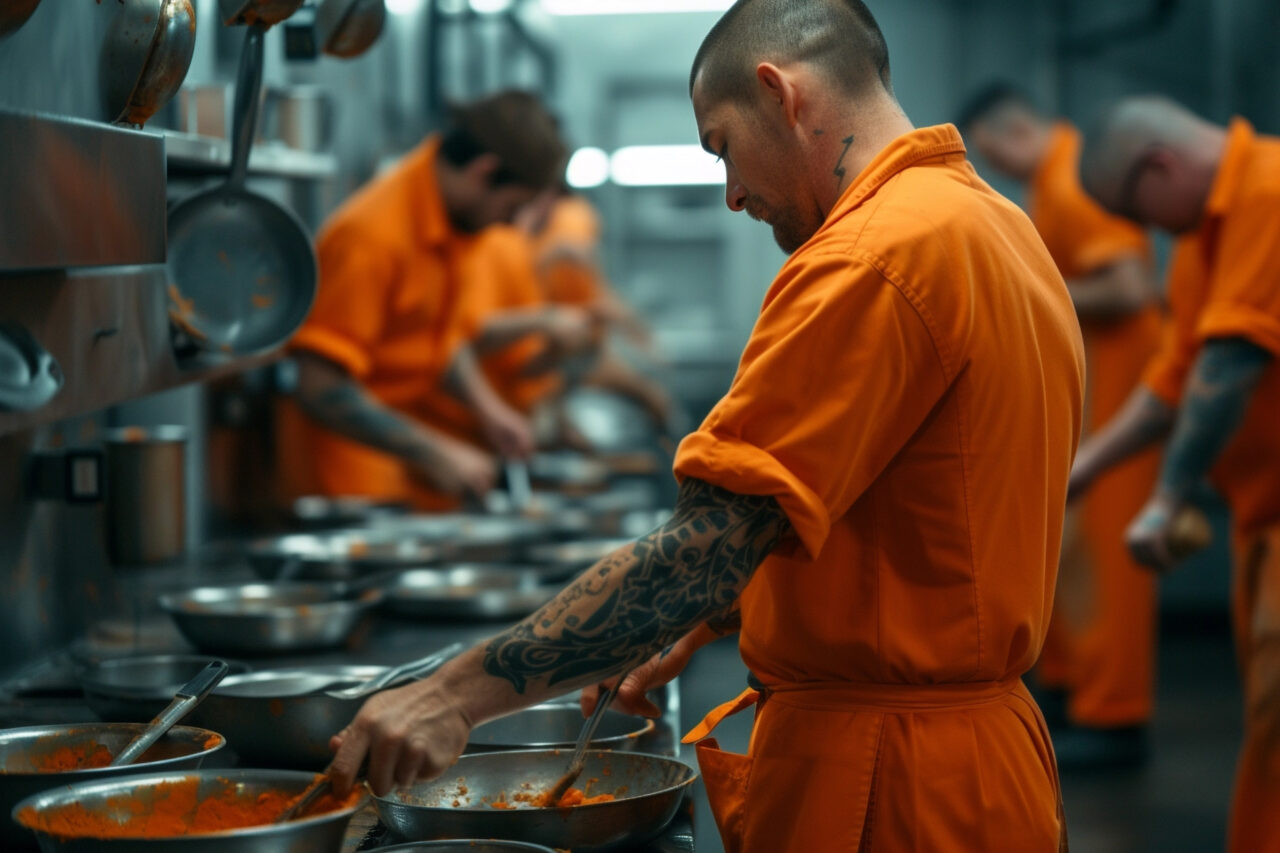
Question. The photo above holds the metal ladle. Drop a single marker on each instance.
(188, 697)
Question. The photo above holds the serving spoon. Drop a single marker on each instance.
(188, 697)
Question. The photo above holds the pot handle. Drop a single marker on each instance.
(29, 375)
(247, 104)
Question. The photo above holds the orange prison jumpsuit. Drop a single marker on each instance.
(1224, 282)
(1102, 638)
(563, 247)
(386, 312)
(912, 396)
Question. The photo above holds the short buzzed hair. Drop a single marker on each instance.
(1122, 132)
(993, 101)
(841, 37)
(514, 126)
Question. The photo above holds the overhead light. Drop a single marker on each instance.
(631, 7)
(664, 166)
(588, 167)
(405, 7)
(490, 7)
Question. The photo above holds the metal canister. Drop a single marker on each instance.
(146, 494)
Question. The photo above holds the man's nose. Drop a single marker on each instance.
(734, 194)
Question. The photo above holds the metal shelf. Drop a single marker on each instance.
(201, 155)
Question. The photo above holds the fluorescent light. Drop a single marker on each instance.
(664, 166)
(405, 7)
(588, 167)
(490, 7)
(631, 7)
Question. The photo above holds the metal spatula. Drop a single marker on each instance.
(579, 760)
(189, 695)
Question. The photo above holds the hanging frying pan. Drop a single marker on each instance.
(242, 273)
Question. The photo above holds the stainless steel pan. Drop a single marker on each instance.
(14, 13)
(648, 790)
(339, 555)
(146, 55)
(469, 592)
(268, 12)
(472, 538)
(555, 726)
(348, 28)
(242, 273)
(135, 689)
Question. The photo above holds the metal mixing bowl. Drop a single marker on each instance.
(123, 798)
(648, 788)
(261, 618)
(338, 555)
(135, 689)
(555, 727)
(469, 592)
(573, 557)
(283, 718)
(183, 748)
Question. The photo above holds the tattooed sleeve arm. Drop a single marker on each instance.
(1221, 386)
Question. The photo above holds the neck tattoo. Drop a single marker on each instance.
(840, 170)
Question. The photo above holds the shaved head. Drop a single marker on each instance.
(1151, 140)
(838, 37)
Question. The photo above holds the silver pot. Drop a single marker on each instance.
(469, 592)
(135, 689)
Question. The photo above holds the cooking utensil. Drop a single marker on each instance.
(348, 28)
(410, 671)
(518, 484)
(469, 592)
(14, 13)
(579, 759)
(137, 688)
(265, 12)
(339, 555)
(23, 751)
(136, 796)
(260, 618)
(145, 57)
(648, 790)
(242, 273)
(188, 696)
(556, 726)
(466, 845)
(313, 792)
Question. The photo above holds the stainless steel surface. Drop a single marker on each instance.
(127, 797)
(469, 592)
(29, 375)
(241, 267)
(579, 758)
(146, 494)
(648, 790)
(569, 471)
(348, 28)
(135, 689)
(203, 155)
(338, 555)
(518, 484)
(281, 718)
(472, 538)
(14, 13)
(90, 194)
(404, 672)
(575, 556)
(264, 618)
(184, 701)
(555, 727)
(183, 748)
(466, 845)
(146, 56)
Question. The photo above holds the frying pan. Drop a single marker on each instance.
(348, 28)
(242, 273)
(265, 12)
(146, 56)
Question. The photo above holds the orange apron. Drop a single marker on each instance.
(817, 751)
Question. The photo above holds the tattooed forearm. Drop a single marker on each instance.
(840, 170)
(643, 598)
(338, 402)
(1217, 396)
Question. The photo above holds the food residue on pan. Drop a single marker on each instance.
(224, 258)
(83, 756)
(212, 741)
(175, 809)
(182, 312)
(276, 707)
(262, 301)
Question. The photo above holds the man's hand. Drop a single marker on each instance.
(408, 734)
(1150, 536)
(508, 431)
(457, 468)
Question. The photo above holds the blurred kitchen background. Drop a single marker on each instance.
(87, 283)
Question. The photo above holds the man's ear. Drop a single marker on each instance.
(779, 89)
(481, 170)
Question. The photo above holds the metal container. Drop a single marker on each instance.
(146, 56)
(466, 845)
(472, 538)
(338, 556)
(146, 494)
(135, 689)
(283, 718)
(322, 833)
(469, 592)
(555, 727)
(262, 618)
(648, 790)
(573, 557)
(182, 748)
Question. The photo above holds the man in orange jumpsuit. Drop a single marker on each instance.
(1101, 645)
(388, 328)
(881, 490)
(1213, 390)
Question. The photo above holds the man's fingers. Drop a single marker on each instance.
(414, 756)
(383, 755)
(351, 744)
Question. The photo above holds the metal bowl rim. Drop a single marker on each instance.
(88, 683)
(172, 602)
(491, 842)
(66, 794)
(367, 671)
(89, 773)
(649, 726)
(390, 799)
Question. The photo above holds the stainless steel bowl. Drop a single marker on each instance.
(555, 727)
(466, 845)
(321, 512)
(471, 538)
(469, 592)
(338, 555)
(132, 796)
(135, 689)
(648, 790)
(573, 557)
(283, 718)
(262, 618)
(183, 748)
